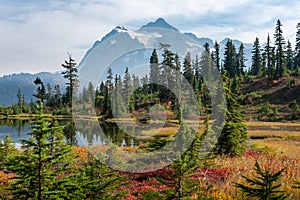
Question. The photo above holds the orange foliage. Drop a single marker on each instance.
(5, 178)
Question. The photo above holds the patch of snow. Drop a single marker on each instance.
(143, 38)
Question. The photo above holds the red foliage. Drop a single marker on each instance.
(212, 175)
(137, 184)
(252, 154)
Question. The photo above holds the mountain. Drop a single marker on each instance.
(122, 48)
(202, 41)
(9, 85)
(159, 23)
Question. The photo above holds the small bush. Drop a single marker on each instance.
(294, 105)
(290, 83)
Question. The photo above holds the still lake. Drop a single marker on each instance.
(95, 133)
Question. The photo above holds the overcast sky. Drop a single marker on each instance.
(36, 34)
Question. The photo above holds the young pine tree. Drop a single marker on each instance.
(7, 147)
(43, 169)
(100, 181)
(263, 187)
(234, 135)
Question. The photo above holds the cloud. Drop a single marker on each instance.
(35, 35)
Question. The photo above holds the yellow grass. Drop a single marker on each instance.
(277, 146)
(268, 134)
(272, 124)
(245, 166)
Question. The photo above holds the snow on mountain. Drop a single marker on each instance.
(122, 48)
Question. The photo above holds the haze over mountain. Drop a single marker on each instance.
(10, 84)
(118, 49)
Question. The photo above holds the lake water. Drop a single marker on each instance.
(92, 134)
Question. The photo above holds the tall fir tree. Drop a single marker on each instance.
(108, 90)
(167, 68)
(154, 72)
(127, 87)
(256, 59)
(217, 55)
(41, 91)
(230, 59)
(280, 50)
(269, 65)
(297, 47)
(241, 59)
(21, 100)
(118, 107)
(289, 56)
(234, 136)
(70, 74)
(187, 68)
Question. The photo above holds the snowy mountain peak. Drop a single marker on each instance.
(120, 28)
(113, 32)
(159, 23)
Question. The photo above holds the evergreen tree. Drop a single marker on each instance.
(280, 54)
(197, 79)
(91, 93)
(154, 72)
(21, 101)
(127, 87)
(230, 59)
(57, 96)
(167, 68)
(84, 95)
(70, 74)
(268, 52)
(7, 148)
(118, 104)
(241, 59)
(41, 92)
(264, 186)
(107, 92)
(101, 182)
(187, 68)
(50, 99)
(186, 162)
(297, 47)
(256, 59)
(217, 55)
(289, 56)
(234, 135)
(43, 160)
